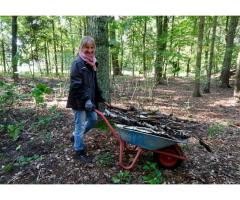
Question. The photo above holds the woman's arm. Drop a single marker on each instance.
(79, 90)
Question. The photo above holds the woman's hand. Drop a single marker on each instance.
(89, 105)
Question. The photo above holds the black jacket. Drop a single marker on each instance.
(83, 85)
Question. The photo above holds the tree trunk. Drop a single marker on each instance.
(192, 45)
(98, 29)
(61, 50)
(71, 35)
(237, 81)
(46, 57)
(144, 48)
(209, 71)
(188, 62)
(159, 48)
(31, 48)
(122, 54)
(228, 52)
(196, 91)
(14, 48)
(133, 58)
(115, 50)
(4, 57)
(54, 47)
(3, 52)
(49, 58)
(165, 33)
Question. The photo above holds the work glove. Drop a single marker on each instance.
(89, 105)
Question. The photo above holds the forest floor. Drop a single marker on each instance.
(35, 147)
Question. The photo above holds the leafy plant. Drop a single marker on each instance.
(23, 161)
(1, 128)
(154, 175)
(2, 156)
(47, 137)
(8, 167)
(44, 121)
(14, 131)
(7, 94)
(105, 159)
(121, 177)
(39, 91)
(215, 129)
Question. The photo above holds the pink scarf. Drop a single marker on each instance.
(91, 60)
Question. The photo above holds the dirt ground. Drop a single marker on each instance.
(43, 152)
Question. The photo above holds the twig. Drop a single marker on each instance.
(134, 90)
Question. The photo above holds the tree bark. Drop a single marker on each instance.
(144, 48)
(14, 48)
(165, 34)
(209, 71)
(159, 48)
(122, 53)
(188, 62)
(49, 58)
(4, 57)
(54, 47)
(115, 49)
(46, 57)
(237, 81)
(98, 29)
(225, 73)
(62, 56)
(3, 52)
(196, 91)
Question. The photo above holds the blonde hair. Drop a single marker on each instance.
(87, 40)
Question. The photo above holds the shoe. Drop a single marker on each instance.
(81, 156)
(72, 138)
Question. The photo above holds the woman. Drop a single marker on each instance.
(84, 94)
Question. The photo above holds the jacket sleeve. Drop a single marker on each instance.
(77, 87)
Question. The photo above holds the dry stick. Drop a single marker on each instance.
(134, 90)
(170, 98)
(207, 147)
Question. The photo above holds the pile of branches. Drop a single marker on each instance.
(156, 123)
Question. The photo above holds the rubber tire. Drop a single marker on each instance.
(168, 162)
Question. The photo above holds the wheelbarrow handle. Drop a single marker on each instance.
(114, 132)
(122, 144)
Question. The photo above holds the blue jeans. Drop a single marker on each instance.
(82, 126)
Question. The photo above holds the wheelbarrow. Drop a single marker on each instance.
(166, 151)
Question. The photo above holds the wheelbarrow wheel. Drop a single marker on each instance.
(169, 162)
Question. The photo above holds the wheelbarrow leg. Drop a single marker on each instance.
(134, 161)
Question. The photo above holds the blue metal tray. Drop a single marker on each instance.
(144, 139)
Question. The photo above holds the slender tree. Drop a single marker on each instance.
(54, 47)
(196, 91)
(114, 48)
(237, 81)
(225, 73)
(14, 48)
(209, 71)
(144, 47)
(159, 56)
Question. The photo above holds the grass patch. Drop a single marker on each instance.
(23, 160)
(215, 129)
(101, 125)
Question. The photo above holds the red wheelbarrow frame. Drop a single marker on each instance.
(165, 154)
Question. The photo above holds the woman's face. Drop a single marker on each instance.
(88, 49)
